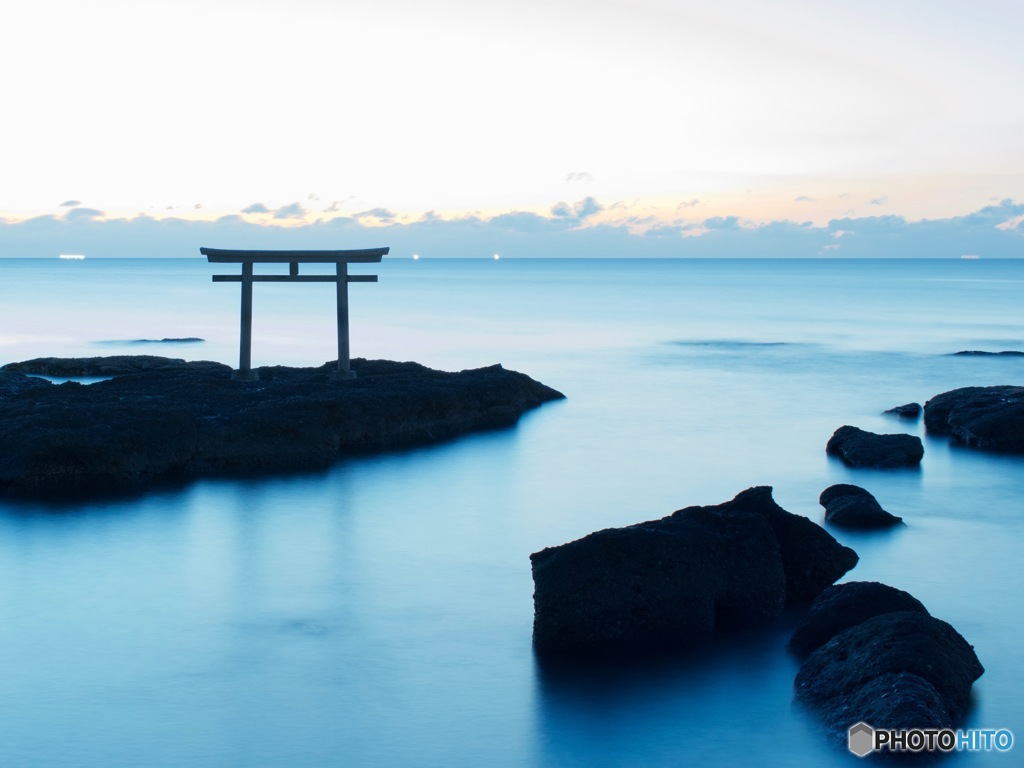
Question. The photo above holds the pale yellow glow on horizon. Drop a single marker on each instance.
(792, 110)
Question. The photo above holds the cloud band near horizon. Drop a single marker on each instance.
(567, 231)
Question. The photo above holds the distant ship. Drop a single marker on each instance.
(72, 256)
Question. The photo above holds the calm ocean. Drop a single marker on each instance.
(379, 614)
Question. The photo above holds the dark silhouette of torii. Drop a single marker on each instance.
(293, 258)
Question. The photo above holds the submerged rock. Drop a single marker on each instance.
(850, 506)
(859, 448)
(168, 420)
(675, 582)
(982, 353)
(907, 411)
(990, 418)
(842, 606)
(902, 669)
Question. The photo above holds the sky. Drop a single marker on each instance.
(532, 127)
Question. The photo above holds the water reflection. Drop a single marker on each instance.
(709, 705)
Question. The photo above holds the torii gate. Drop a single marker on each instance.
(293, 258)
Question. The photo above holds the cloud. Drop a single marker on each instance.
(994, 231)
(291, 211)
(804, 199)
(75, 214)
(379, 214)
(578, 211)
(1011, 223)
(256, 208)
(579, 176)
(878, 200)
(70, 203)
(587, 207)
(527, 221)
(688, 204)
(721, 223)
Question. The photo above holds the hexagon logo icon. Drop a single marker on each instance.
(861, 739)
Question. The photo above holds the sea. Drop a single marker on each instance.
(379, 613)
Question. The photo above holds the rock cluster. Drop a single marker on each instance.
(676, 581)
(859, 448)
(160, 419)
(873, 654)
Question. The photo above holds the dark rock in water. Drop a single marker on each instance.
(842, 606)
(990, 418)
(908, 411)
(850, 506)
(110, 365)
(12, 383)
(675, 582)
(895, 700)
(811, 558)
(925, 667)
(859, 448)
(979, 353)
(171, 420)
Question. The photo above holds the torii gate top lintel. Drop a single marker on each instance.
(363, 256)
(293, 258)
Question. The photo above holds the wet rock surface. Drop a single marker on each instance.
(160, 419)
(850, 506)
(910, 411)
(904, 669)
(873, 654)
(862, 449)
(989, 418)
(842, 606)
(676, 582)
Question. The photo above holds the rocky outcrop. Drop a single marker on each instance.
(982, 353)
(15, 383)
(850, 506)
(167, 420)
(675, 582)
(842, 606)
(990, 418)
(897, 670)
(109, 365)
(908, 411)
(859, 448)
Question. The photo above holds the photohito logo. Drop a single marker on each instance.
(862, 740)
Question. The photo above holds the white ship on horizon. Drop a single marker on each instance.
(72, 256)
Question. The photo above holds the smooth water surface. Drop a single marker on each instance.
(379, 613)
